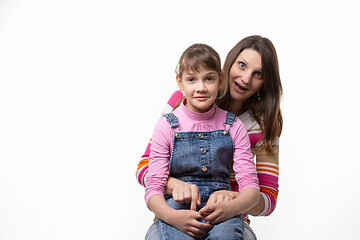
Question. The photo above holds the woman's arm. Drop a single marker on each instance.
(268, 174)
(142, 169)
(267, 166)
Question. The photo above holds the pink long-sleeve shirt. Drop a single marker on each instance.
(162, 143)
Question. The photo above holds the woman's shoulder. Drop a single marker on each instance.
(175, 98)
(250, 123)
(173, 101)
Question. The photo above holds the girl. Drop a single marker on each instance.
(261, 114)
(196, 144)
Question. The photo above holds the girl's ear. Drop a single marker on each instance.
(221, 80)
(179, 82)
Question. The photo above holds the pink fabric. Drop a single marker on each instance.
(269, 180)
(161, 148)
(175, 98)
(143, 173)
(271, 205)
(254, 138)
(147, 151)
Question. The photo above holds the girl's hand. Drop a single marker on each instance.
(222, 196)
(217, 212)
(183, 192)
(186, 221)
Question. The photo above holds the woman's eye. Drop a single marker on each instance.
(258, 75)
(241, 64)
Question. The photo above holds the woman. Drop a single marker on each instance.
(252, 90)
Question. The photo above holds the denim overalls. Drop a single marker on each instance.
(202, 158)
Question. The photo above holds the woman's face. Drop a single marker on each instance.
(245, 76)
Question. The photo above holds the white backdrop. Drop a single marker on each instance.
(82, 84)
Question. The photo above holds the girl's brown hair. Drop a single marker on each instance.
(194, 58)
(199, 56)
(265, 111)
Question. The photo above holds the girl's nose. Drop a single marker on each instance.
(200, 86)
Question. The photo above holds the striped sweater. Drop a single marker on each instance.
(267, 165)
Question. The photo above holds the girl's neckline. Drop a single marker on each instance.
(198, 116)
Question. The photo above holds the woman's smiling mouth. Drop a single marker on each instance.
(240, 88)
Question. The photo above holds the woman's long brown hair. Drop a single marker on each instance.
(265, 111)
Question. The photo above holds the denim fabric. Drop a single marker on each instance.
(248, 232)
(232, 229)
(153, 234)
(202, 158)
(202, 154)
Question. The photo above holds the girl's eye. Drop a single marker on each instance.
(209, 79)
(241, 64)
(190, 79)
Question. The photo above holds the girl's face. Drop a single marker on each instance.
(245, 76)
(200, 89)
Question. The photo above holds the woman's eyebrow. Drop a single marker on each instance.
(243, 59)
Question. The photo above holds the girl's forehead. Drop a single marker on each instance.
(200, 70)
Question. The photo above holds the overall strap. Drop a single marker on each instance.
(172, 119)
(230, 118)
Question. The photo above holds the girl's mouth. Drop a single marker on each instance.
(201, 98)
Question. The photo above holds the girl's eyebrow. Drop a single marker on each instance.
(188, 73)
(207, 72)
(211, 72)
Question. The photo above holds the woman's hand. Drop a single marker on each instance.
(222, 196)
(187, 222)
(217, 212)
(183, 192)
(216, 209)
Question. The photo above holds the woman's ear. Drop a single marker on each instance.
(179, 82)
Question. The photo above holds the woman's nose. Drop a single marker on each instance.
(246, 77)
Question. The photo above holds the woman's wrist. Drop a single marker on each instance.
(258, 208)
(246, 200)
(235, 194)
